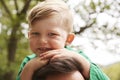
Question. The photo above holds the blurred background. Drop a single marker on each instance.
(96, 25)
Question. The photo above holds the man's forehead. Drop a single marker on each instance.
(75, 75)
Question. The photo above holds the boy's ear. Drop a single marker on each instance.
(70, 38)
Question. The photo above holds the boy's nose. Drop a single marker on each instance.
(42, 41)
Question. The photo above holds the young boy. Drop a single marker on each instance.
(50, 33)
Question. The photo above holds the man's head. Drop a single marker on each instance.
(60, 69)
(50, 26)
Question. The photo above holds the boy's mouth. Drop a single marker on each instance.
(41, 50)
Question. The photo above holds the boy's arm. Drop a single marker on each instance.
(95, 72)
(26, 73)
(31, 67)
(84, 64)
(89, 71)
(26, 59)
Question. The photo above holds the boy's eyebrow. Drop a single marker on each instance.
(53, 31)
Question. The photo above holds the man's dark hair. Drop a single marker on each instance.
(57, 66)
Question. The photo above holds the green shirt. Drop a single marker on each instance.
(95, 72)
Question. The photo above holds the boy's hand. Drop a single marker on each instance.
(52, 54)
(59, 53)
(36, 63)
(31, 66)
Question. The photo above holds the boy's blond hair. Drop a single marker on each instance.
(49, 9)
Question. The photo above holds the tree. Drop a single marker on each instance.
(100, 17)
(13, 15)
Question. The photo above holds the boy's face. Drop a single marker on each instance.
(47, 34)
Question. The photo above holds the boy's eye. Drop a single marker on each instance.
(52, 34)
(35, 33)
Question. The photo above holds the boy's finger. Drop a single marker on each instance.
(55, 57)
(47, 56)
(48, 52)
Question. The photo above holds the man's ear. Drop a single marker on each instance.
(70, 38)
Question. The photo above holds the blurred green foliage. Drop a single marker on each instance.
(22, 51)
(113, 71)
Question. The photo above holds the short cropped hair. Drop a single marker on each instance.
(49, 9)
(57, 66)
